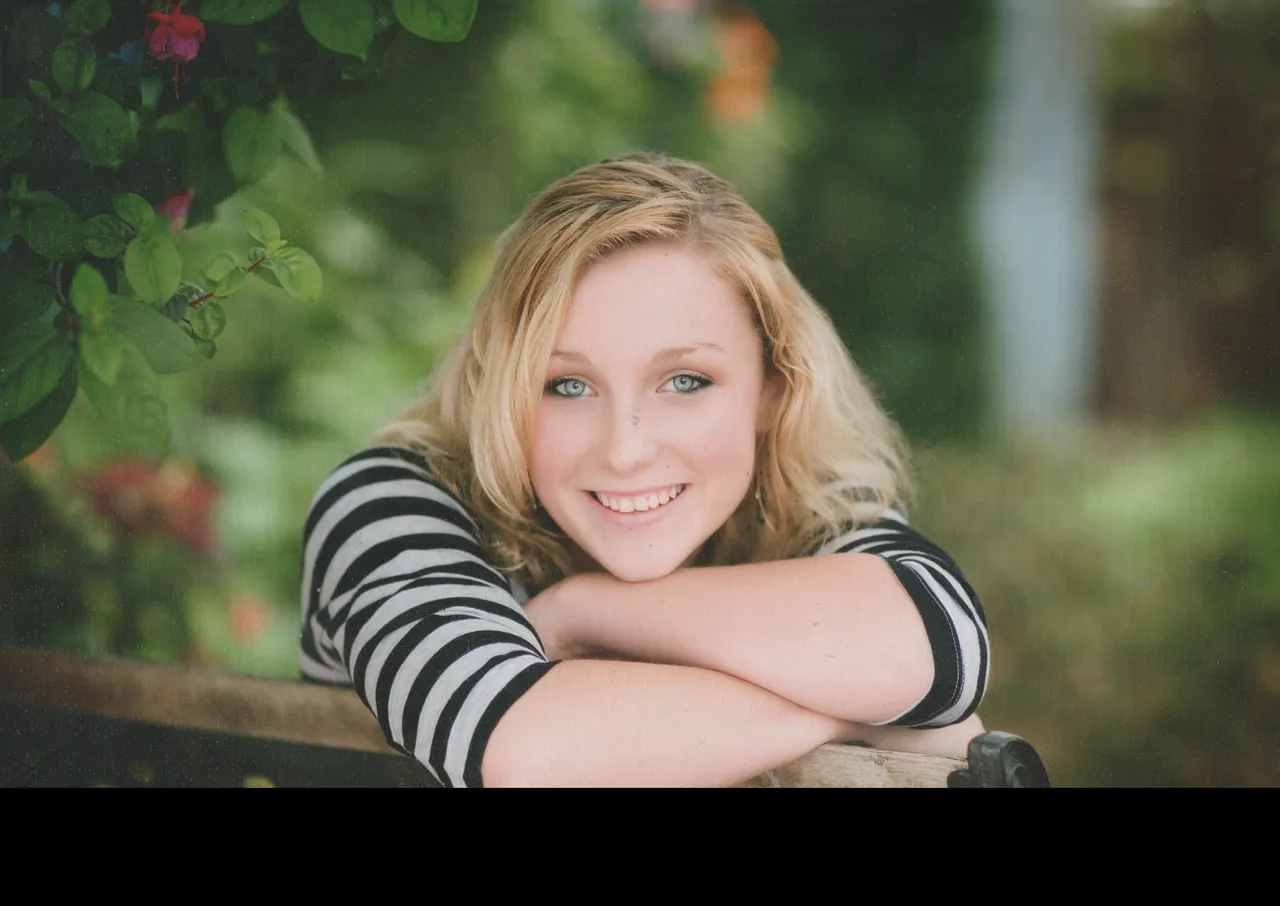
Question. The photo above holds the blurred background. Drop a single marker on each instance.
(1047, 230)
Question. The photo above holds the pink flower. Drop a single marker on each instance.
(174, 36)
(175, 208)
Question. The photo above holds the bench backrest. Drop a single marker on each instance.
(67, 720)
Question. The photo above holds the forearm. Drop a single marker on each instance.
(611, 723)
(835, 634)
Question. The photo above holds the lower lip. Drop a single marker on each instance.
(638, 517)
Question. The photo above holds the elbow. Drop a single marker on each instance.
(501, 767)
(907, 686)
(887, 691)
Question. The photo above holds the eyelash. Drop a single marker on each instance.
(703, 382)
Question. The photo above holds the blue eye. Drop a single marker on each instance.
(688, 383)
(570, 387)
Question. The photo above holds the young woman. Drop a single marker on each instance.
(646, 527)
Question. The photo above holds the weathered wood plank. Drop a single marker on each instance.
(292, 711)
(198, 699)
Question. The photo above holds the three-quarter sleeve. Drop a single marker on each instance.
(951, 611)
(401, 601)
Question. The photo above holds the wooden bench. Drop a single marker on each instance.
(74, 721)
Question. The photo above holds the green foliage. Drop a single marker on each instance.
(16, 129)
(1132, 588)
(22, 436)
(437, 20)
(253, 142)
(240, 12)
(261, 226)
(32, 359)
(134, 211)
(163, 344)
(106, 132)
(208, 321)
(95, 136)
(89, 295)
(74, 64)
(50, 226)
(132, 406)
(85, 17)
(297, 272)
(105, 235)
(153, 267)
(344, 26)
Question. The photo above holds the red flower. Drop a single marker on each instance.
(175, 208)
(247, 617)
(138, 498)
(174, 36)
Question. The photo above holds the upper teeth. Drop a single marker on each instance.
(641, 502)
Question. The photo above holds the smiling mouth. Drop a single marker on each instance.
(639, 503)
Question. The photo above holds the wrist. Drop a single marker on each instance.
(569, 638)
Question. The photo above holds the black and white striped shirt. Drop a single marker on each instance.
(401, 601)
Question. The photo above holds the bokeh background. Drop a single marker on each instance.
(1047, 230)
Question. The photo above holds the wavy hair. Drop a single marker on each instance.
(830, 459)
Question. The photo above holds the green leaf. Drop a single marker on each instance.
(260, 225)
(239, 12)
(87, 16)
(180, 302)
(188, 119)
(51, 228)
(344, 26)
(253, 142)
(21, 343)
(208, 321)
(132, 407)
(153, 268)
(74, 65)
(104, 235)
(103, 353)
(22, 298)
(437, 20)
(25, 434)
(45, 94)
(207, 348)
(298, 273)
(219, 266)
(166, 347)
(105, 129)
(134, 210)
(231, 282)
(17, 131)
(89, 293)
(32, 359)
(297, 140)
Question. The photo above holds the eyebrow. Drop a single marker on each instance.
(665, 355)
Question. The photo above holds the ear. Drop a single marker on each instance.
(771, 397)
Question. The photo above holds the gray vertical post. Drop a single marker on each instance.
(1036, 213)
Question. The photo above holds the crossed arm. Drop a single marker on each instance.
(730, 671)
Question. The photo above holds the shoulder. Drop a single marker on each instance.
(379, 480)
(890, 534)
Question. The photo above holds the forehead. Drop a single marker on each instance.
(652, 296)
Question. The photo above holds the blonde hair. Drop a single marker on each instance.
(832, 458)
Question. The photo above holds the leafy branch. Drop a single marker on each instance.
(118, 124)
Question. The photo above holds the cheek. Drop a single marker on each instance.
(556, 448)
(725, 434)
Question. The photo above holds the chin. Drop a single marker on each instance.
(649, 569)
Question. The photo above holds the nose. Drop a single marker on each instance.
(629, 443)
